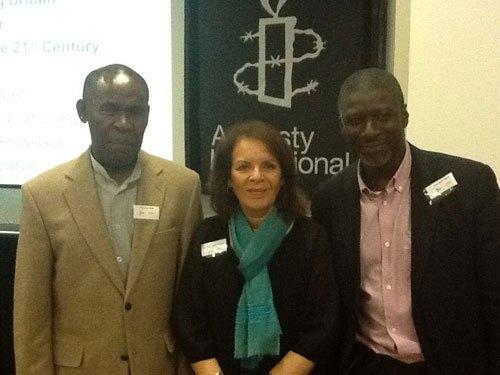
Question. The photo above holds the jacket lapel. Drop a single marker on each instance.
(351, 211)
(150, 192)
(423, 216)
(83, 201)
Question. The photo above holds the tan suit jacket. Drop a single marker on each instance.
(73, 314)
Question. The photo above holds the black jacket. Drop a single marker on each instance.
(455, 262)
(304, 291)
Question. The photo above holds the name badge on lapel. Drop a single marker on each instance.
(211, 249)
(146, 212)
(440, 188)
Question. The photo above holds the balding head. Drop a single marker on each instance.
(114, 74)
(115, 105)
(367, 80)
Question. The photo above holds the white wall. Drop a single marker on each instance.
(398, 41)
(177, 12)
(451, 80)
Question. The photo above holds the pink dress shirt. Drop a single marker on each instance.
(385, 322)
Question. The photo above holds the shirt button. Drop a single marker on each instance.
(119, 259)
(384, 203)
(128, 306)
(124, 357)
(388, 287)
(387, 244)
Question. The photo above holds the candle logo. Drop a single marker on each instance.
(286, 62)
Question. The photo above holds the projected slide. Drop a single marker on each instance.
(46, 49)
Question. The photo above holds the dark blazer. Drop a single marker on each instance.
(304, 290)
(455, 262)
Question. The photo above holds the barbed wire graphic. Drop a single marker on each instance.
(277, 61)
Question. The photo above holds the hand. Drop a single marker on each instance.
(292, 364)
(206, 367)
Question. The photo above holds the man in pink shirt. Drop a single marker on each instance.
(417, 246)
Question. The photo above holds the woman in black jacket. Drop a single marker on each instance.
(257, 292)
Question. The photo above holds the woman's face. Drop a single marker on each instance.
(255, 177)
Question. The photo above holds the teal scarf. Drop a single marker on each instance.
(257, 328)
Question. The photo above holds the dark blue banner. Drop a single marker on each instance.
(278, 61)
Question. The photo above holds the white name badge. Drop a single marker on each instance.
(211, 249)
(146, 212)
(440, 188)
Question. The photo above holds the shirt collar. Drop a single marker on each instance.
(398, 182)
(100, 171)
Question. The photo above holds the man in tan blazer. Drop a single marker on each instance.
(101, 245)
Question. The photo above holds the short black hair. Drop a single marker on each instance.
(370, 78)
(290, 200)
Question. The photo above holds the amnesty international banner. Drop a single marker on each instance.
(280, 61)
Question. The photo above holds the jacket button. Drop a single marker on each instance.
(124, 357)
(128, 306)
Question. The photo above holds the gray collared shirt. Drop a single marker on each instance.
(117, 206)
